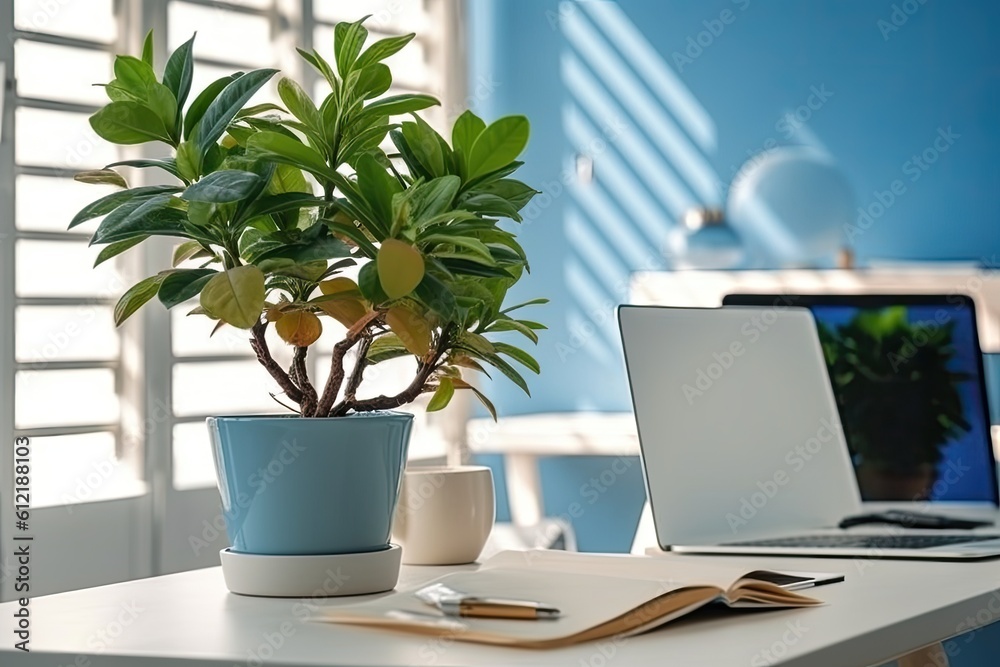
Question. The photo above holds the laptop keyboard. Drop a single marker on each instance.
(866, 541)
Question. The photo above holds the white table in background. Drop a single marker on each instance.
(884, 609)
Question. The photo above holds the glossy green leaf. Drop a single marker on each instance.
(168, 165)
(300, 105)
(129, 123)
(284, 149)
(518, 355)
(224, 186)
(183, 284)
(442, 396)
(117, 248)
(185, 251)
(205, 98)
(498, 145)
(533, 302)
(384, 348)
(147, 49)
(235, 296)
(369, 285)
(348, 38)
(382, 49)
(372, 81)
(436, 296)
(228, 103)
(377, 186)
(424, 145)
(508, 324)
(163, 104)
(135, 297)
(150, 216)
(178, 72)
(474, 246)
(110, 202)
(466, 130)
(133, 75)
(396, 105)
(436, 197)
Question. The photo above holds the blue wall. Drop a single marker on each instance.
(669, 99)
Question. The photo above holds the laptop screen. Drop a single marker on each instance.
(907, 373)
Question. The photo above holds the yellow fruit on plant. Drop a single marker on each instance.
(299, 328)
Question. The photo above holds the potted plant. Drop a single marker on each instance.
(898, 399)
(272, 204)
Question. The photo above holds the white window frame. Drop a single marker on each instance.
(151, 526)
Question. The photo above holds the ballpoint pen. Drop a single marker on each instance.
(455, 603)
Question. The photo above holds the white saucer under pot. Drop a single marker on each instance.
(311, 576)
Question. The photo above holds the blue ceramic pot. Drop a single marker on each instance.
(294, 486)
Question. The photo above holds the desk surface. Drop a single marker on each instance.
(885, 608)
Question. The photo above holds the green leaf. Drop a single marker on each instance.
(377, 187)
(235, 296)
(101, 177)
(348, 38)
(385, 348)
(320, 65)
(115, 249)
(288, 179)
(301, 106)
(152, 217)
(219, 187)
(183, 284)
(163, 104)
(508, 324)
(466, 130)
(108, 203)
(327, 247)
(147, 49)
(497, 362)
(185, 251)
(382, 49)
(188, 161)
(280, 203)
(205, 98)
(487, 403)
(129, 123)
(135, 297)
(168, 165)
(518, 355)
(424, 145)
(436, 197)
(369, 285)
(228, 103)
(280, 148)
(177, 74)
(488, 204)
(133, 75)
(498, 145)
(473, 245)
(533, 302)
(436, 296)
(355, 234)
(513, 190)
(373, 80)
(395, 105)
(442, 396)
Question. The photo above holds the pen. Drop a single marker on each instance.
(497, 608)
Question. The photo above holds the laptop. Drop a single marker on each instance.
(899, 462)
(743, 451)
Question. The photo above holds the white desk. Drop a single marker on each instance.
(885, 608)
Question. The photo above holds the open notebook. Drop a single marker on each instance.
(599, 596)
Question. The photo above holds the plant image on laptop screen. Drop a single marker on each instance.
(908, 390)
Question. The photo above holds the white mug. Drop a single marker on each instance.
(445, 514)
